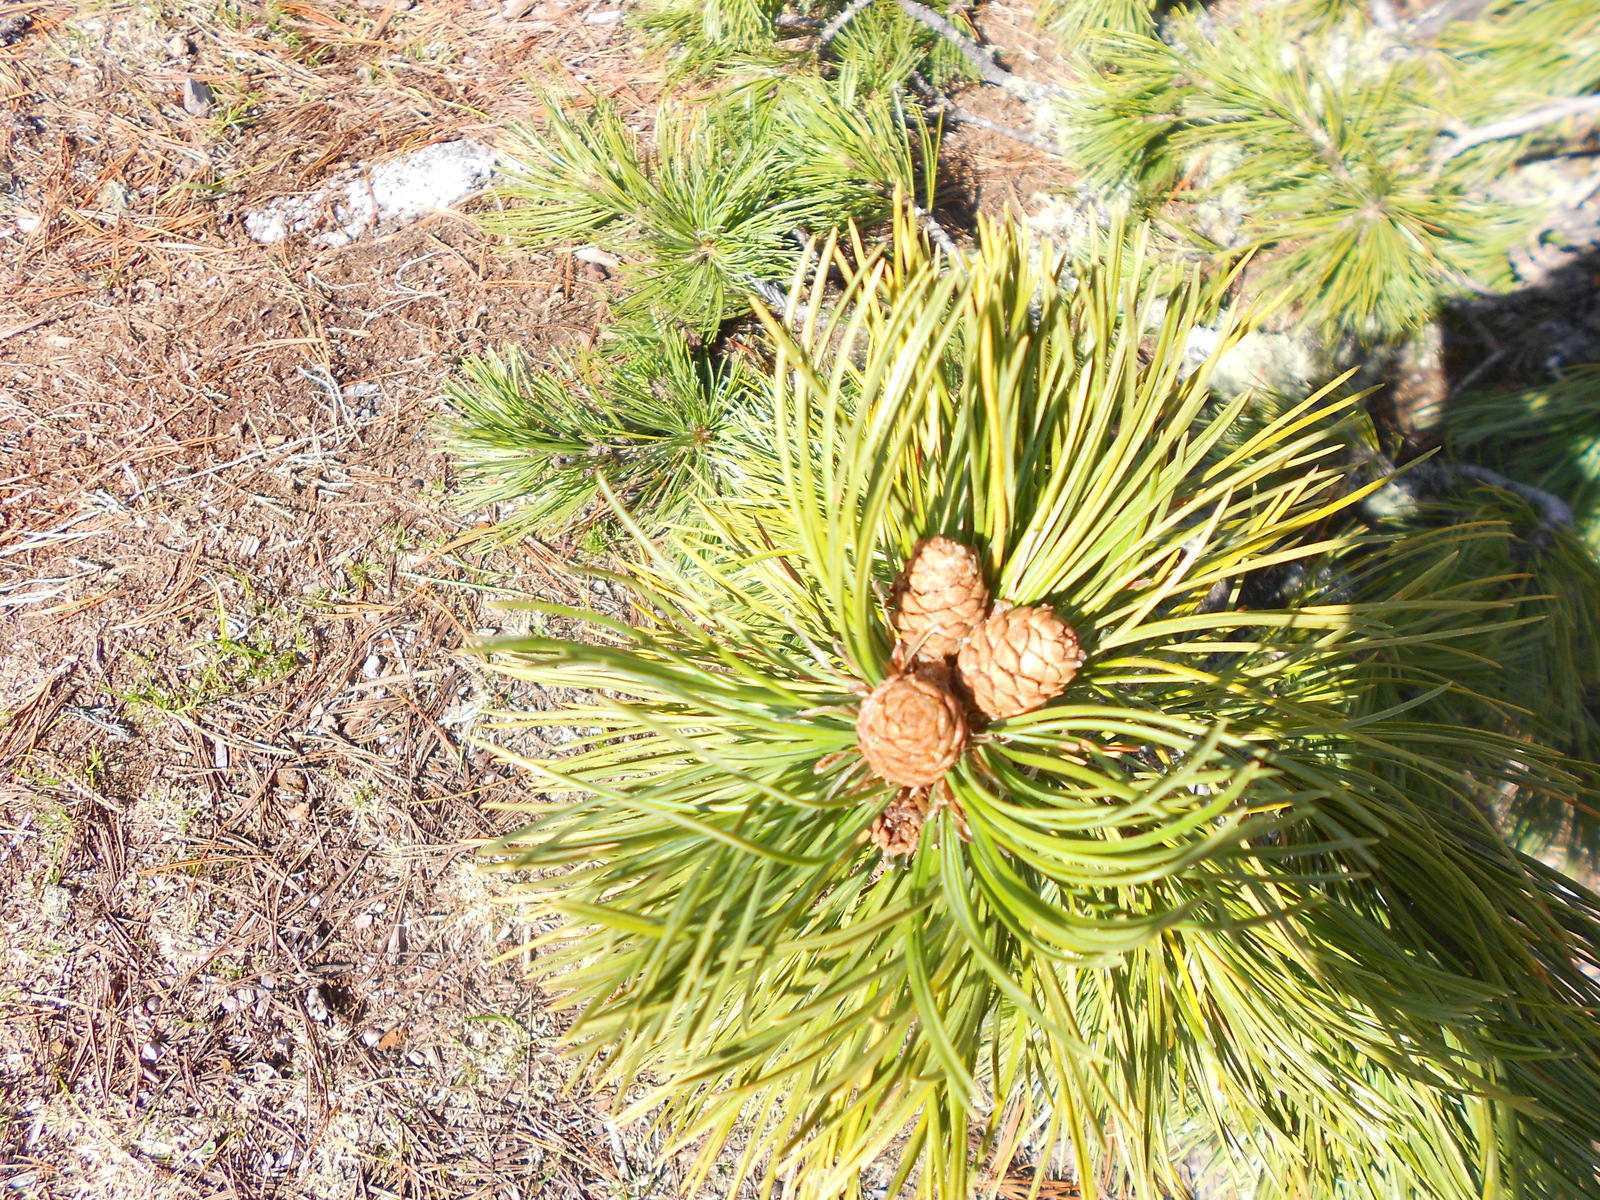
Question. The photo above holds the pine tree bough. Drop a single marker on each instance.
(938, 102)
(1430, 22)
(1158, 904)
(836, 26)
(1555, 511)
(979, 56)
(1550, 114)
(940, 235)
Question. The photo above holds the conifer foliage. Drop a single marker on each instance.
(1348, 151)
(1031, 756)
(1227, 897)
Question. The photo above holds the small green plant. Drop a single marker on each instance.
(229, 664)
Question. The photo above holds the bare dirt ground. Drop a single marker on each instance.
(245, 952)
(245, 949)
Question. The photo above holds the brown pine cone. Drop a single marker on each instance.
(898, 828)
(911, 729)
(1018, 660)
(939, 598)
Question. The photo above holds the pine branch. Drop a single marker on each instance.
(770, 293)
(834, 27)
(939, 102)
(939, 235)
(1556, 510)
(1430, 22)
(1435, 477)
(979, 56)
(1511, 127)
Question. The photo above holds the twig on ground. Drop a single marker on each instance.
(1577, 106)
(833, 28)
(286, 448)
(966, 116)
(941, 237)
(1477, 373)
(979, 56)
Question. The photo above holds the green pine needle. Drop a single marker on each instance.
(1329, 150)
(647, 418)
(1227, 901)
(722, 200)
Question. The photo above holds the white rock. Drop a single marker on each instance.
(56, 901)
(593, 254)
(315, 1008)
(390, 195)
(198, 97)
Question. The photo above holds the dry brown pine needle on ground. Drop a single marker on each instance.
(245, 949)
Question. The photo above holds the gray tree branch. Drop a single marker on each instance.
(1430, 22)
(1578, 106)
(978, 56)
(1556, 510)
(939, 235)
(965, 116)
(833, 28)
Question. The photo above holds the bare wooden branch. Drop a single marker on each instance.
(770, 293)
(965, 116)
(1578, 106)
(1555, 510)
(832, 29)
(937, 232)
(979, 56)
(1430, 22)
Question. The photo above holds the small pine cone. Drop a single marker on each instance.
(911, 728)
(1018, 660)
(898, 828)
(939, 598)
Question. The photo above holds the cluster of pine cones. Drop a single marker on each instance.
(958, 662)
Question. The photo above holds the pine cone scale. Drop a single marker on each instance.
(940, 598)
(911, 729)
(1018, 661)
